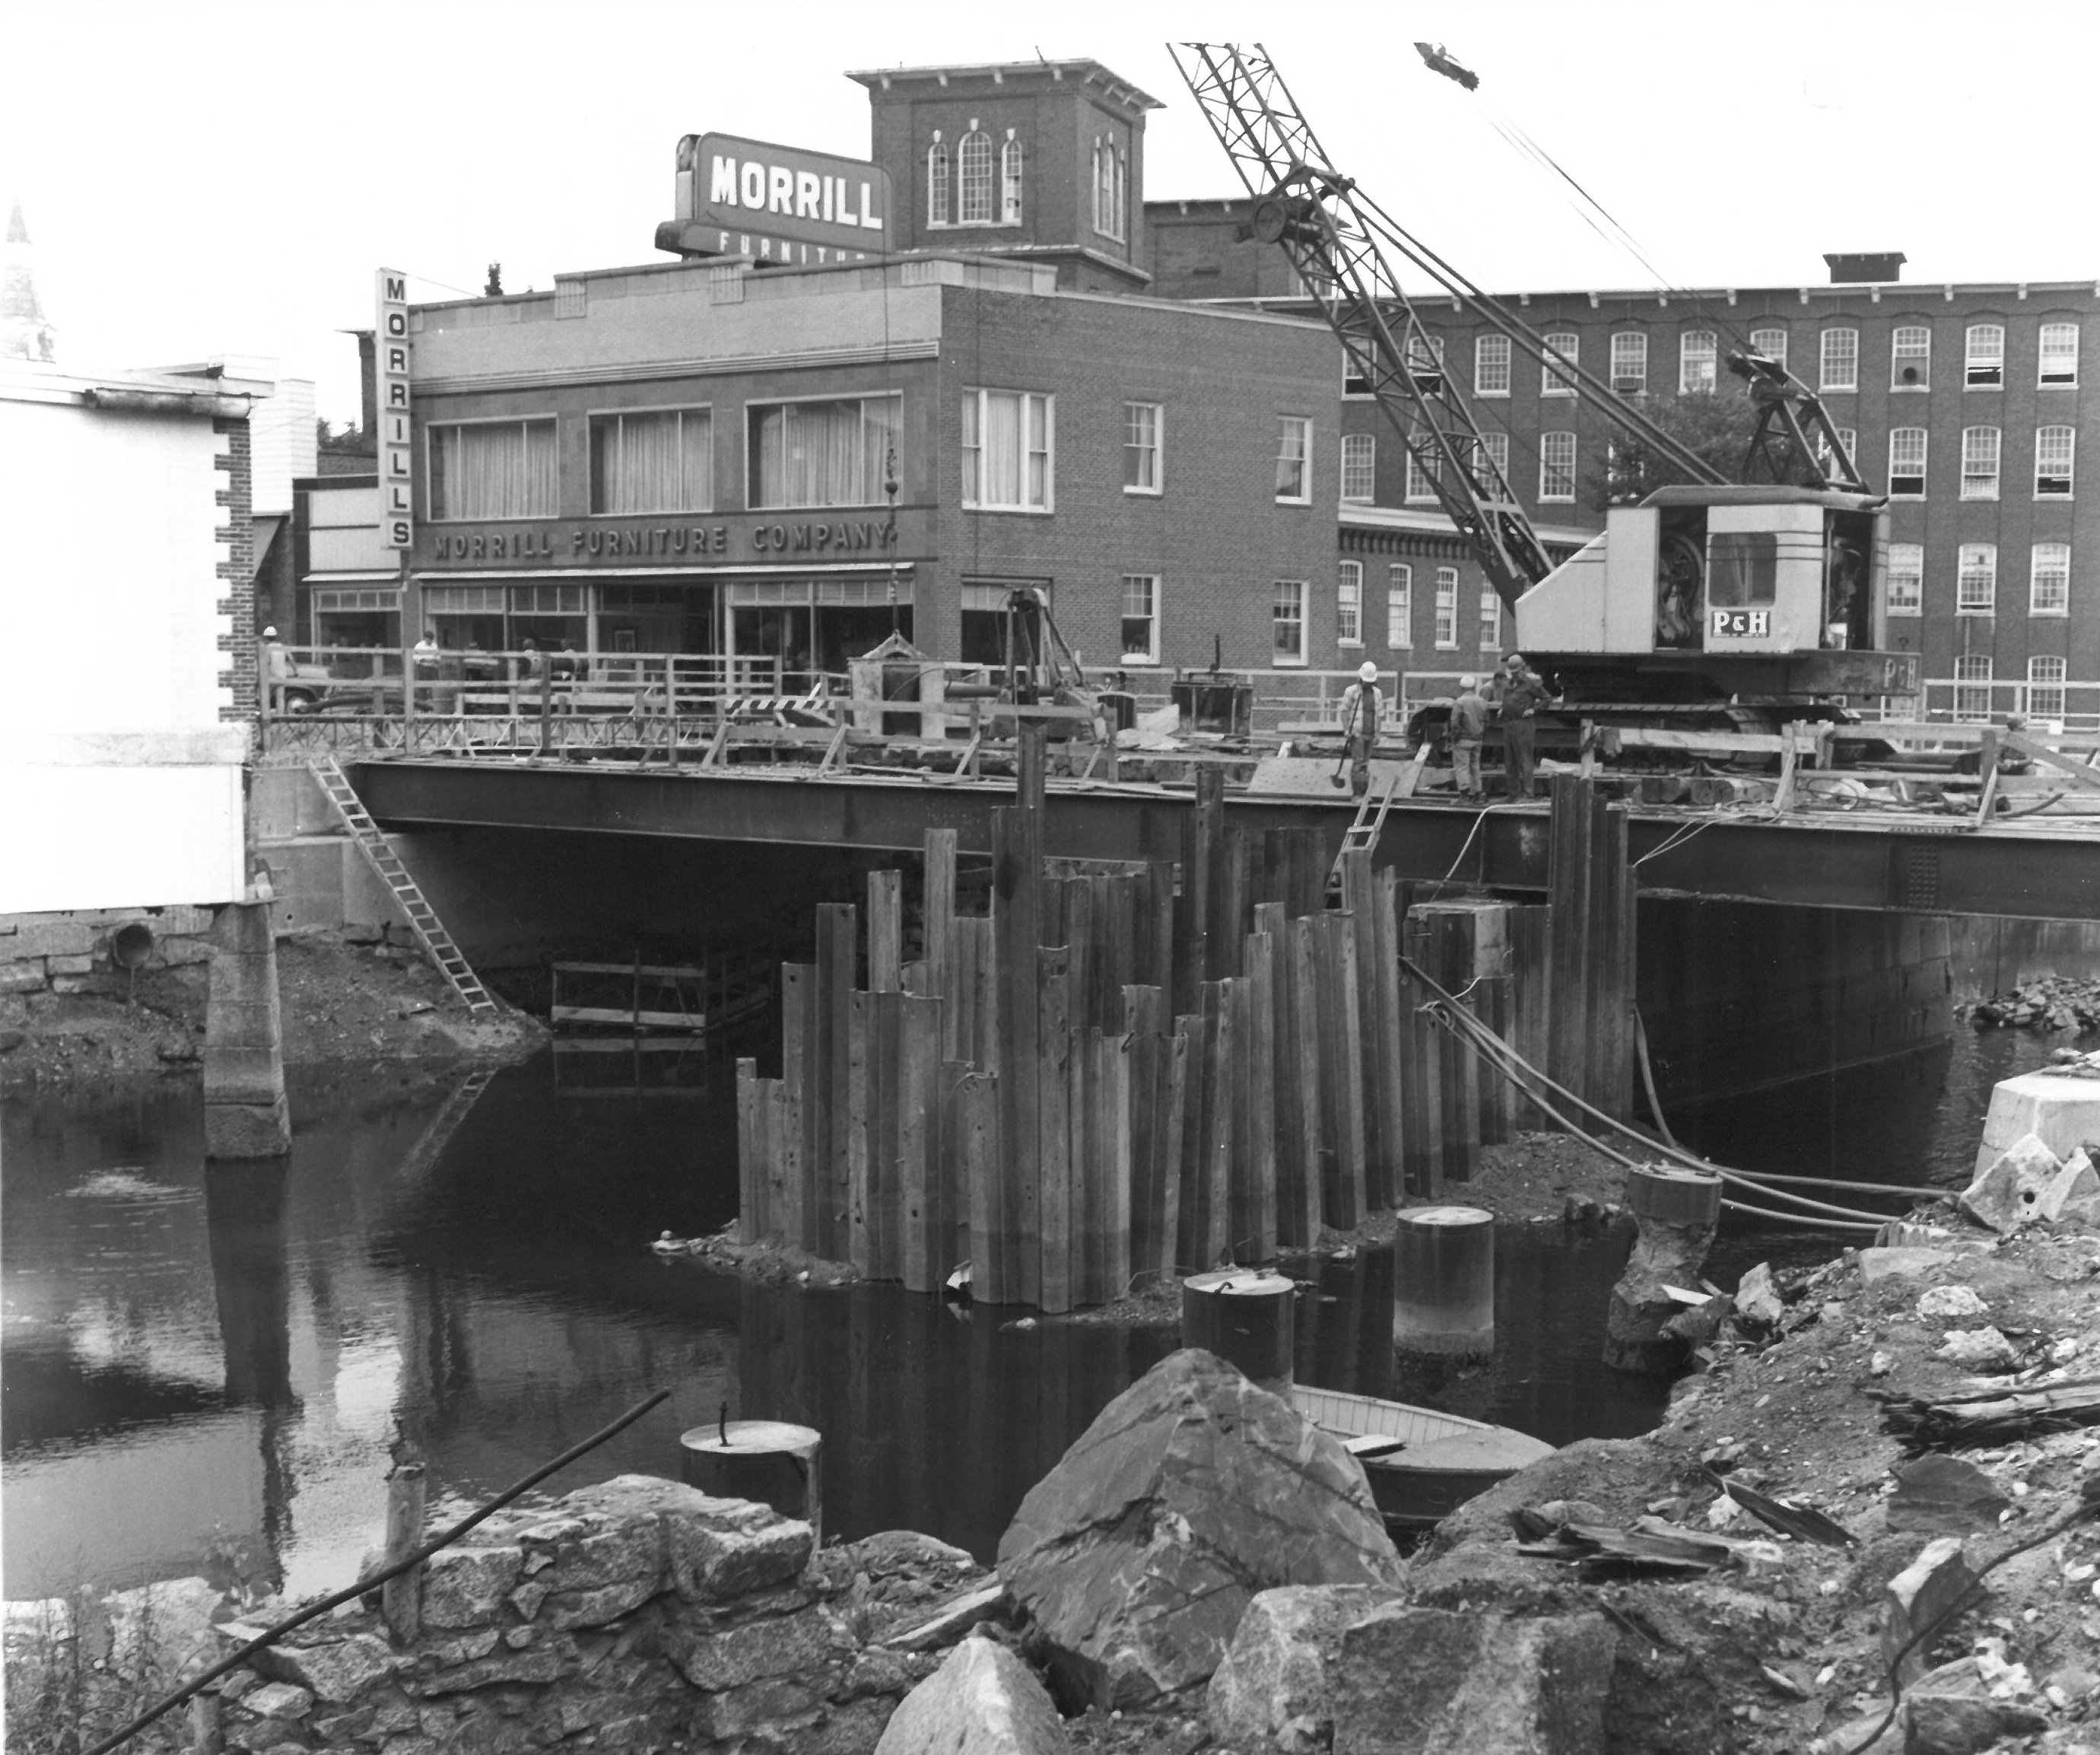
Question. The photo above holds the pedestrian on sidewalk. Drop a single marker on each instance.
(1361, 703)
(1469, 730)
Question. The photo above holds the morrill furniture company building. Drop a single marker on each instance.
(944, 381)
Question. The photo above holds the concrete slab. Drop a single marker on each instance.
(2064, 1111)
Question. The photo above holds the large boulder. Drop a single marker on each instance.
(1273, 1690)
(982, 1701)
(1414, 1681)
(1194, 1491)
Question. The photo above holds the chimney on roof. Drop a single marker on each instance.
(1882, 266)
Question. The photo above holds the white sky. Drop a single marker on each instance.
(207, 176)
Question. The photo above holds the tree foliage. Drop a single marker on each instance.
(1715, 426)
(350, 439)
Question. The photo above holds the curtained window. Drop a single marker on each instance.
(821, 454)
(1006, 450)
(493, 469)
(661, 460)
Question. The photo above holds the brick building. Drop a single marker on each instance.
(696, 457)
(1962, 401)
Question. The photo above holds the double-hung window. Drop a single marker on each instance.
(1848, 437)
(1910, 358)
(493, 469)
(1979, 462)
(1359, 468)
(1984, 367)
(1007, 437)
(1287, 623)
(2054, 450)
(940, 198)
(1770, 343)
(1976, 579)
(1556, 467)
(1447, 608)
(1349, 605)
(652, 460)
(2048, 580)
(1972, 687)
(1629, 363)
(821, 454)
(1698, 358)
(1491, 621)
(1841, 360)
(1141, 618)
(1111, 174)
(1141, 439)
(1494, 461)
(1491, 365)
(2060, 354)
(1010, 163)
(1399, 604)
(1567, 345)
(1906, 578)
(2045, 680)
(1907, 462)
(1294, 460)
(1421, 478)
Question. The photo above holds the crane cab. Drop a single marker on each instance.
(1738, 583)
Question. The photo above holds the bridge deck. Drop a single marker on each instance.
(2039, 867)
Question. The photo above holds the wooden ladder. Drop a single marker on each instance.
(1363, 834)
(430, 931)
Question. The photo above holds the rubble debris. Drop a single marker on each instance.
(1649, 1545)
(1915, 1599)
(1951, 1301)
(1274, 1690)
(2073, 1193)
(1979, 1349)
(1758, 1301)
(1953, 1710)
(2008, 1194)
(2056, 1003)
(1941, 1496)
(1803, 1522)
(983, 1700)
(1136, 1556)
(1994, 1416)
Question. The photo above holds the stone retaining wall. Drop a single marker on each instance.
(638, 1615)
(68, 953)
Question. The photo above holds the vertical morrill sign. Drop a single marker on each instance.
(397, 468)
(781, 203)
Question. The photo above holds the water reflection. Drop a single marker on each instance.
(204, 1371)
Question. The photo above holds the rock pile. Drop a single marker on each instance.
(2056, 1002)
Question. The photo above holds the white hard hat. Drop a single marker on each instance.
(269, 634)
(1367, 671)
(1469, 682)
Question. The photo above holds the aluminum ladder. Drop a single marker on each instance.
(379, 853)
(1362, 835)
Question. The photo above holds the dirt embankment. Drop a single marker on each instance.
(342, 1004)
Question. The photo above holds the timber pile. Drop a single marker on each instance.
(1110, 1078)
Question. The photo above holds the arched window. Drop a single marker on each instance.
(938, 211)
(973, 169)
(1910, 358)
(1009, 181)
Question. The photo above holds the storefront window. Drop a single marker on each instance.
(656, 460)
(821, 454)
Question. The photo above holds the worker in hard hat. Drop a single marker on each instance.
(276, 667)
(1362, 704)
(1523, 692)
(1469, 730)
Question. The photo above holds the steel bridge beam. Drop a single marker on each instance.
(1834, 862)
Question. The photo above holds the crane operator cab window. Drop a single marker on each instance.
(1742, 581)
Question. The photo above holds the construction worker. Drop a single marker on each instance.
(1522, 693)
(1361, 704)
(1469, 729)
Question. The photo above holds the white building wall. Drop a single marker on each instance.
(283, 443)
(119, 785)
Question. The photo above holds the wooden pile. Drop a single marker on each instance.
(1105, 1081)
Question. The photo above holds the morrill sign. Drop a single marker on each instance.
(780, 201)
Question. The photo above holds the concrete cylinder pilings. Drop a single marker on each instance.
(1677, 1210)
(1443, 1277)
(768, 1460)
(1246, 1316)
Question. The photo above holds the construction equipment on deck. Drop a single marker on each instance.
(385, 863)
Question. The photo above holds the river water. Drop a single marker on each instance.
(204, 1372)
